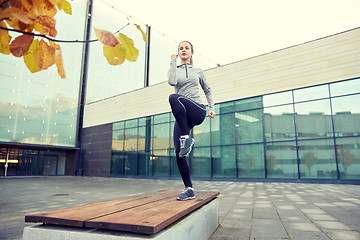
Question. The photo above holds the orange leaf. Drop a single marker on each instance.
(44, 55)
(144, 35)
(48, 25)
(114, 55)
(4, 40)
(20, 46)
(60, 63)
(19, 14)
(106, 37)
(29, 58)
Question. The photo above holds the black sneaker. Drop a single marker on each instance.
(187, 194)
(186, 144)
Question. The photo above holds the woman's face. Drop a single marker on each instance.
(185, 51)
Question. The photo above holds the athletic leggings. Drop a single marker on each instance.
(187, 114)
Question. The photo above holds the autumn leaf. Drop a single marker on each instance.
(44, 55)
(65, 6)
(47, 25)
(114, 55)
(131, 52)
(20, 46)
(4, 40)
(60, 63)
(29, 57)
(144, 35)
(106, 37)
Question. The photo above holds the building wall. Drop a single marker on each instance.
(325, 60)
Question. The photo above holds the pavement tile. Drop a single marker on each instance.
(332, 225)
(343, 235)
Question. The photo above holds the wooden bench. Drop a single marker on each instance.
(144, 213)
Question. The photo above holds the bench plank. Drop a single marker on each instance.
(151, 218)
(76, 216)
(144, 213)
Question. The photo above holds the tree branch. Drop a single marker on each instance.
(53, 39)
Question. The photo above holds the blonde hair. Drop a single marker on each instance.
(192, 50)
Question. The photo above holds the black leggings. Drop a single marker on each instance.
(187, 114)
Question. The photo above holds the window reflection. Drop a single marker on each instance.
(345, 87)
(279, 123)
(281, 160)
(348, 154)
(311, 93)
(201, 133)
(317, 159)
(248, 125)
(278, 99)
(313, 119)
(201, 162)
(224, 162)
(250, 161)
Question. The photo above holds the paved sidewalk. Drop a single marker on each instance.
(247, 210)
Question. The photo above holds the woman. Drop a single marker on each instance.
(187, 108)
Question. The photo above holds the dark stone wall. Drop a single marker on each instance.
(96, 151)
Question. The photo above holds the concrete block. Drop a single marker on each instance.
(199, 225)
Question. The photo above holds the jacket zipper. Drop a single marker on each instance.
(186, 71)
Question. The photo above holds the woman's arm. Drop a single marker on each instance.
(207, 90)
(172, 71)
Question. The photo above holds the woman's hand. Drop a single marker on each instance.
(173, 56)
(212, 114)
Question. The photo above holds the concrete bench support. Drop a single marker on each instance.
(199, 224)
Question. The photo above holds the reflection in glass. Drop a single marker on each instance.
(345, 87)
(313, 119)
(249, 126)
(278, 99)
(161, 137)
(222, 128)
(281, 160)
(131, 163)
(160, 163)
(348, 154)
(317, 159)
(251, 161)
(346, 112)
(223, 108)
(311, 93)
(117, 163)
(248, 104)
(201, 133)
(224, 162)
(279, 123)
(201, 162)
(118, 140)
(131, 139)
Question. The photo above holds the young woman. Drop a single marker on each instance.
(187, 108)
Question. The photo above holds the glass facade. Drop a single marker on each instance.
(308, 133)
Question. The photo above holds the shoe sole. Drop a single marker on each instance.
(188, 198)
(190, 148)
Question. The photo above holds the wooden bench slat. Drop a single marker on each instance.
(151, 218)
(76, 216)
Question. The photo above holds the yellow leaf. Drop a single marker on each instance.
(47, 25)
(131, 52)
(65, 6)
(4, 40)
(29, 58)
(20, 46)
(44, 55)
(114, 55)
(106, 37)
(142, 32)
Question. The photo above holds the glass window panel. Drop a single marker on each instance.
(162, 118)
(118, 140)
(131, 163)
(119, 125)
(161, 137)
(346, 112)
(144, 164)
(160, 162)
(224, 162)
(117, 163)
(281, 160)
(279, 123)
(201, 162)
(251, 161)
(174, 168)
(227, 107)
(131, 123)
(345, 87)
(249, 126)
(222, 130)
(131, 139)
(248, 104)
(145, 120)
(144, 140)
(313, 119)
(348, 154)
(201, 133)
(317, 159)
(311, 93)
(277, 99)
